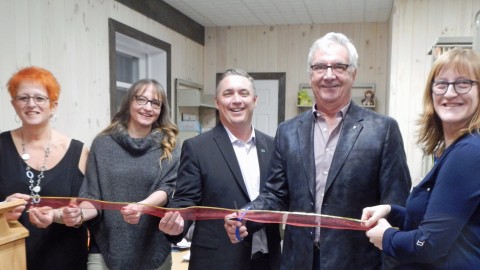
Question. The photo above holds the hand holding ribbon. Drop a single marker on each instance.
(209, 213)
(235, 226)
(172, 223)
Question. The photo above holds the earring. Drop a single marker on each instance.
(17, 119)
(53, 118)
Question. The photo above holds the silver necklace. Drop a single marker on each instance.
(35, 187)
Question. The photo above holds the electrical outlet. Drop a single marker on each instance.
(188, 117)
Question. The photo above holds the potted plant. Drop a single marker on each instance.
(304, 98)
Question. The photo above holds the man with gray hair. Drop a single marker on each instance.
(333, 160)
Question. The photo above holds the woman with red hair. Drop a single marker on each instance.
(35, 161)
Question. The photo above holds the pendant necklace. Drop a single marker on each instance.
(35, 187)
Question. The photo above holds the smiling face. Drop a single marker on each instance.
(142, 117)
(236, 101)
(455, 110)
(332, 90)
(32, 112)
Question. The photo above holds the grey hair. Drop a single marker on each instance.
(235, 71)
(330, 38)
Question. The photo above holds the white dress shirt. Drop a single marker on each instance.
(246, 153)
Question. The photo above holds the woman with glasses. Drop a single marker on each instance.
(440, 226)
(35, 161)
(134, 159)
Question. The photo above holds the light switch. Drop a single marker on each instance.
(188, 117)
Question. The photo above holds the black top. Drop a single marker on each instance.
(57, 246)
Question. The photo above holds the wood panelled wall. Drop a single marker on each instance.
(393, 55)
(414, 27)
(70, 38)
(285, 49)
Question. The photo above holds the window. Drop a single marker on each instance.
(135, 55)
(127, 67)
(127, 71)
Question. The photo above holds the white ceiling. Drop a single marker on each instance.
(211, 13)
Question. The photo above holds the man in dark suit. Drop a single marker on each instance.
(334, 160)
(225, 167)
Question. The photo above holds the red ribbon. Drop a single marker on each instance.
(207, 213)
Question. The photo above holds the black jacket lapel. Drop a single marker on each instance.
(222, 140)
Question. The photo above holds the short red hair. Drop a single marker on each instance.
(35, 75)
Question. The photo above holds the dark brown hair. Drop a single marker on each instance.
(164, 123)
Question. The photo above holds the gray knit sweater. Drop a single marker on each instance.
(123, 169)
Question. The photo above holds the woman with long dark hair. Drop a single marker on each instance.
(134, 159)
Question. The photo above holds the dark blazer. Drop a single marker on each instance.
(369, 167)
(209, 175)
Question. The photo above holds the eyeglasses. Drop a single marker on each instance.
(460, 86)
(155, 103)
(321, 69)
(39, 100)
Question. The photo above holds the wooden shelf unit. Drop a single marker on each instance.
(358, 94)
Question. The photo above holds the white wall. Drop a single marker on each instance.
(414, 28)
(393, 55)
(70, 38)
(284, 48)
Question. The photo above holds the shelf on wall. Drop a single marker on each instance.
(196, 111)
(358, 94)
(207, 101)
(190, 94)
(306, 103)
(445, 44)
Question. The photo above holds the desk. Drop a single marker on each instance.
(178, 263)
